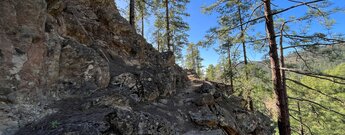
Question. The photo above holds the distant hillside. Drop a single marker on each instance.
(307, 59)
(319, 59)
(316, 58)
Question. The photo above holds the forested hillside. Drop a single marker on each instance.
(316, 58)
(315, 86)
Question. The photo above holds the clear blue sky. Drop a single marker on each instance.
(200, 23)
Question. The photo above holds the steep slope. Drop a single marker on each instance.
(77, 67)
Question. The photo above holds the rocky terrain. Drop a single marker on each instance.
(77, 67)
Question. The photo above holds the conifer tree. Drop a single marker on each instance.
(210, 73)
(281, 94)
(144, 7)
(233, 13)
(171, 29)
(193, 59)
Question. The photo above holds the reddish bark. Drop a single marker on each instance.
(281, 95)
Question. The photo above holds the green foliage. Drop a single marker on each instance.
(143, 10)
(231, 14)
(322, 109)
(257, 86)
(211, 73)
(178, 27)
(54, 124)
(159, 33)
(193, 59)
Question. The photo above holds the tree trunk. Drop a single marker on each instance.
(230, 68)
(251, 104)
(281, 95)
(197, 62)
(282, 63)
(193, 59)
(142, 21)
(242, 37)
(132, 12)
(158, 43)
(300, 118)
(167, 23)
(249, 98)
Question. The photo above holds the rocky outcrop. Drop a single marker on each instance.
(116, 111)
(78, 67)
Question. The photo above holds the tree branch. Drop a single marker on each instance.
(317, 35)
(278, 12)
(318, 104)
(306, 45)
(295, 1)
(304, 61)
(318, 91)
(302, 123)
(317, 75)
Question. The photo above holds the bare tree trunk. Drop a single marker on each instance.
(167, 23)
(300, 118)
(132, 12)
(282, 63)
(281, 95)
(230, 68)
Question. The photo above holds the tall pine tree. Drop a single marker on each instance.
(193, 59)
(170, 28)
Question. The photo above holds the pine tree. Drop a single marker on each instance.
(210, 73)
(171, 29)
(230, 17)
(283, 117)
(179, 28)
(233, 13)
(316, 39)
(240, 7)
(193, 59)
(227, 62)
(158, 34)
(167, 25)
(219, 72)
(143, 8)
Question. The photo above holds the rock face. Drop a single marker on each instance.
(77, 67)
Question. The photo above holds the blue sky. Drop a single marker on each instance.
(200, 23)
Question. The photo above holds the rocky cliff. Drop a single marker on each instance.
(77, 67)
